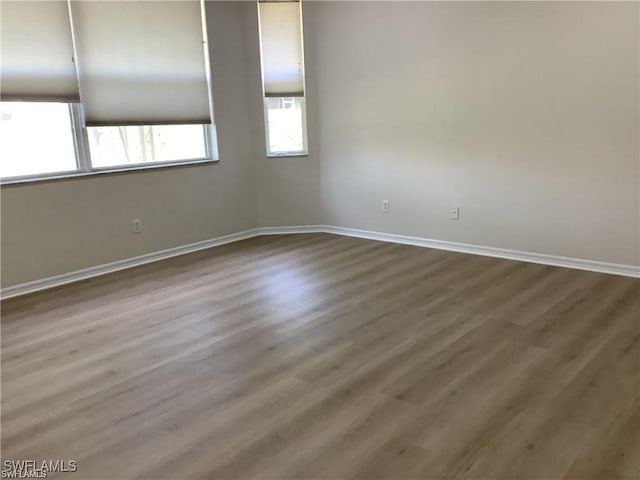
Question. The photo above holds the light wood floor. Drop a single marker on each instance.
(319, 356)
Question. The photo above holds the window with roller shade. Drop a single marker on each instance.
(144, 90)
(132, 78)
(282, 62)
(38, 85)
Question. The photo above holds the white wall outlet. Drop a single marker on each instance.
(137, 225)
(455, 213)
(385, 206)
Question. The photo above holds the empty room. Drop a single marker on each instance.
(320, 240)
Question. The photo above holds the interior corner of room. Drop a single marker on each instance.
(427, 106)
(308, 239)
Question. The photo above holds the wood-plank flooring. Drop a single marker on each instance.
(325, 357)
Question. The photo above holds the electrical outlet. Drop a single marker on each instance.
(455, 213)
(137, 225)
(385, 206)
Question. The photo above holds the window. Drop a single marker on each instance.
(37, 138)
(285, 124)
(139, 145)
(282, 60)
(95, 86)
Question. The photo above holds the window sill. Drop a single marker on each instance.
(102, 171)
(293, 154)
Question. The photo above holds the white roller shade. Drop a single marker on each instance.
(141, 62)
(36, 51)
(281, 48)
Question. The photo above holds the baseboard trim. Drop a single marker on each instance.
(292, 229)
(98, 270)
(544, 259)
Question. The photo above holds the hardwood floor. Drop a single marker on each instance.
(319, 356)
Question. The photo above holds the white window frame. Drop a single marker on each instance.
(279, 153)
(84, 166)
(305, 146)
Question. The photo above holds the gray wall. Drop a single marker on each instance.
(525, 115)
(60, 226)
(288, 189)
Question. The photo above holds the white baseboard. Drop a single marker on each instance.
(292, 229)
(554, 260)
(98, 270)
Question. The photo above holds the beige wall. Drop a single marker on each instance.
(525, 115)
(61, 226)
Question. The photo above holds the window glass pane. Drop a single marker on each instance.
(117, 146)
(35, 138)
(284, 121)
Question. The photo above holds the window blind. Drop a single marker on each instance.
(142, 62)
(36, 52)
(281, 48)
